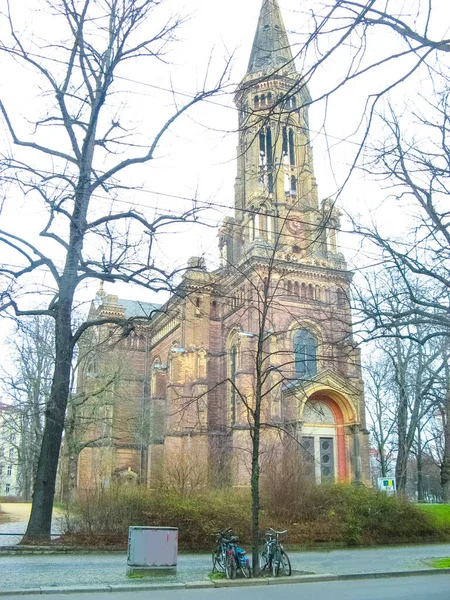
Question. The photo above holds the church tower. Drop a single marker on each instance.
(276, 196)
(280, 256)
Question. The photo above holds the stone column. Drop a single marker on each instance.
(356, 456)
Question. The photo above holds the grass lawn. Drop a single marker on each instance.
(441, 563)
(439, 513)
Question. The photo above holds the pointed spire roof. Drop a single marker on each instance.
(271, 49)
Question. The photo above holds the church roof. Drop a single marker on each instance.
(271, 49)
(135, 308)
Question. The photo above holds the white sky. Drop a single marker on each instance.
(198, 157)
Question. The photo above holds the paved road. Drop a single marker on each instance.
(109, 569)
(436, 587)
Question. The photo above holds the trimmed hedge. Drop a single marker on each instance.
(341, 514)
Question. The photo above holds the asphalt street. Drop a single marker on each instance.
(436, 587)
(109, 569)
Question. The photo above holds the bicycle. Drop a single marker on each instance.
(273, 557)
(220, 550)
(228, 557)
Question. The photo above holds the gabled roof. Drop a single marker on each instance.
(271, 50)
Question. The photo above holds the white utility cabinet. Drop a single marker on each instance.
(152, 549)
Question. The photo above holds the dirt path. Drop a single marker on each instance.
(16, 512)
(16, 520)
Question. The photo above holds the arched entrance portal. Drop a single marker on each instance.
(323, 439)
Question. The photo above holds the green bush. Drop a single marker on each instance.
(346, 515)
(106, 516)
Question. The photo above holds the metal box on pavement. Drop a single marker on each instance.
(152, 549)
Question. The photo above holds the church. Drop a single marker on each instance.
(271, 329)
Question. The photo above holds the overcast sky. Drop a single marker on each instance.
(198, 157)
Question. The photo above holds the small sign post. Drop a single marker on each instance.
(388, 485)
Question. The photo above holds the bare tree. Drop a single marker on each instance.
(440, 424)
(91, 42)
(26, 385)
(416, 170)
(381, 409)
(266, 375)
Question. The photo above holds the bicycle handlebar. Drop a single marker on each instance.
(225, 532)
(276, 532)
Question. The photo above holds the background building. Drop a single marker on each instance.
(9, 460)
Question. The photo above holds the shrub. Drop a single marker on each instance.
(353, 515)
(107, 515)
(341, 514)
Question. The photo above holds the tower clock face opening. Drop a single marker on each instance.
(295, 226)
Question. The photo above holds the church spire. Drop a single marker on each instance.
(271, 49)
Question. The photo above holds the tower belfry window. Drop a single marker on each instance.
(285, 141)
(292, 147)
(293, 185)
(269, 147)
(269, 159)
(262, 143)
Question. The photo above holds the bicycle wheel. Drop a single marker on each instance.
(263, 562)
(230, 566)
(245, 570)
(276, 562)
(285, 564)
(217, 560)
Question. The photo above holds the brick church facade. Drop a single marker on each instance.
(181, 410)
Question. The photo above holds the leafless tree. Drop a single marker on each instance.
(381, 410)
(440, 424)
(90, 150)
(259, 370)
(26, 385)
(415, 168)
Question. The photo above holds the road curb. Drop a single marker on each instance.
(221, 583)
(386, 575)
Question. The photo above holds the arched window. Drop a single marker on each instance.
(289, 287)
(296, 289)
(305, 351)
(233, 370)
(303, 294)
(256, 101)
(285, 142)
(292, 147)
(310, 292)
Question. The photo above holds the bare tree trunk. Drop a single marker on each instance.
(420, 490)
(39, 525)
(256, 439)
(402, 456)
(445, 470)
(445, 465)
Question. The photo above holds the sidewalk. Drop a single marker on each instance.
(79, 571)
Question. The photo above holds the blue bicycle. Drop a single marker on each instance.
(228, 557)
